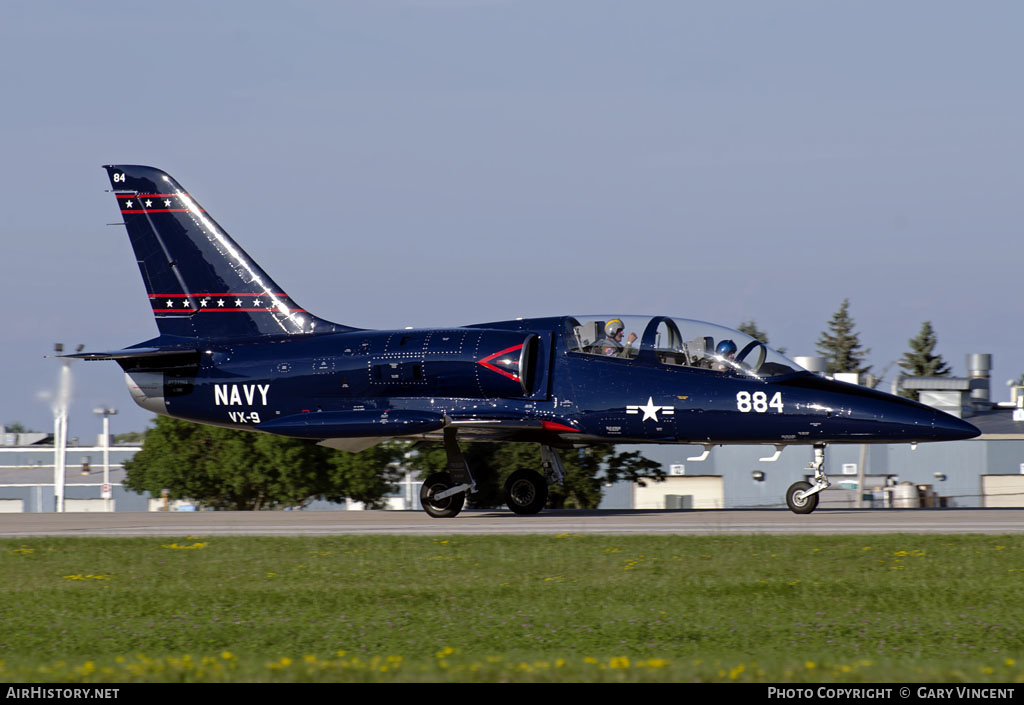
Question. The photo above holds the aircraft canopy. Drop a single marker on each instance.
(676, 342)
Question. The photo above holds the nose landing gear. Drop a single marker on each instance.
(802, 497)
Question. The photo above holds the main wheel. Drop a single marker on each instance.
(442, 508)
(526, 492)
(804, 505)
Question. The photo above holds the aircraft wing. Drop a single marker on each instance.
(356, 430)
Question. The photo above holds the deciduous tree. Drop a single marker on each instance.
(223, 468)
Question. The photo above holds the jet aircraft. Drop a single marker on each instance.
(235, 350)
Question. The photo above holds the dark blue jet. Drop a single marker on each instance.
(235, 350)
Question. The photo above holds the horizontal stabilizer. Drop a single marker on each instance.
(354, 424)
(135, 353)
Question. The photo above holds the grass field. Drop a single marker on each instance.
(893, 608)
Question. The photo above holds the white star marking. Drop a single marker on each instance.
(148, 203)
(220, 302)
(128, 204)
(167, 203)
(238, 302)
(202, 302)
(255, 302)
(651, 410)
(170, 304)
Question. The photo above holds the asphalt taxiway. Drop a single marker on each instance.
(691, 522)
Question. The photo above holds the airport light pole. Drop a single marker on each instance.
(106, 414)
(60, 427)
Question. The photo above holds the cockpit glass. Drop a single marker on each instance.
(675, 342)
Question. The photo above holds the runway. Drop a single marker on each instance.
(411, 523)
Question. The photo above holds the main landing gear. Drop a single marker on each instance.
(526, 492)
(802, 497)
(443, 494)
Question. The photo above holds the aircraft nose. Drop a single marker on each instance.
(950, 428)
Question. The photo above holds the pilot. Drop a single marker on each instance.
(611, 344)
(725, 353)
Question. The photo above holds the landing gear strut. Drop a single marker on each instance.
(802, 497)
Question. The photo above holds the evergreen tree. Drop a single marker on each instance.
(840, 345)
(920, 361)
(750, 328)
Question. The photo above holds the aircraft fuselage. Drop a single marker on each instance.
(550, 394)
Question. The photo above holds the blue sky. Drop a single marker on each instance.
(450, 162)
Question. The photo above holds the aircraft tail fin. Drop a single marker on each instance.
(200, 283)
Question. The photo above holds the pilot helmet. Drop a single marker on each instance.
(613, 327)
(726, 348)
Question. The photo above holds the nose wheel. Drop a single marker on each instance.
(802, 497)
(797, 499)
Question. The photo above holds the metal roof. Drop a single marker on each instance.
(997, 422)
